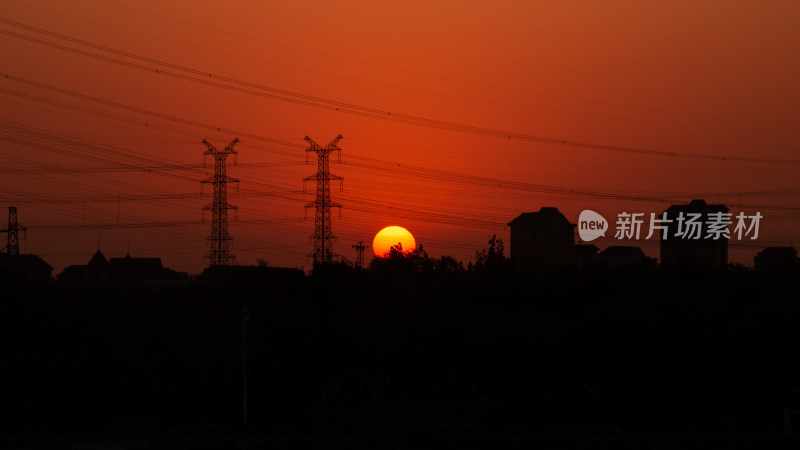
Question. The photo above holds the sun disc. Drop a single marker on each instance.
(391, 236)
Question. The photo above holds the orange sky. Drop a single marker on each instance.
(701, 78)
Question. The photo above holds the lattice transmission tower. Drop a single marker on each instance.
(360, 253)
(219, 239)
(12, 247)
(323, 236)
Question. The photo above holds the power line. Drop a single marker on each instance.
(482, 181)
(440, 94)
(432, 177)
(331, 105)
(438, 77)
(386, 166)
(377, 208)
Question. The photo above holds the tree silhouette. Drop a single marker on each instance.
(395, 252)
(491, 258)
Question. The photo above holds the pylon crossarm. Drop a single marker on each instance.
(333, 144)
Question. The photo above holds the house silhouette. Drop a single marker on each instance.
(125, 269)
(542, 239)
(24, 268)
(776, 259)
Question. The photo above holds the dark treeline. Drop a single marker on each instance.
(412, 340)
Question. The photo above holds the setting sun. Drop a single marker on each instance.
(390, 236)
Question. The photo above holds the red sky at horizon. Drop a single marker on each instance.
(700, 78)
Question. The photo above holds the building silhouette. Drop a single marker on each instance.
(622, 255)
(252, 273)
(688, 245)
(776, 259)
(139, 269)
(542, 239)
(125, 269)
(96, 270)
(585, 255)
(24, 268)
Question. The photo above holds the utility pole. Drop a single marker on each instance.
(360, 253)
(323, 236)
(245, 318)
(219, 239)
(12, 245)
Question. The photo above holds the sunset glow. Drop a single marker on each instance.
(454, 120)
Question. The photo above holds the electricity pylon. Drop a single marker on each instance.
(323, 236)
(12, 246)
(219, 239)
(360, 253)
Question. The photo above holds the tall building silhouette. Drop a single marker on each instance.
(694, 247)
(542, 239)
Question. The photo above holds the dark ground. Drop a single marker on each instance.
(407, 356)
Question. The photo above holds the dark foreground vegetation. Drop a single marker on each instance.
(412, 349)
